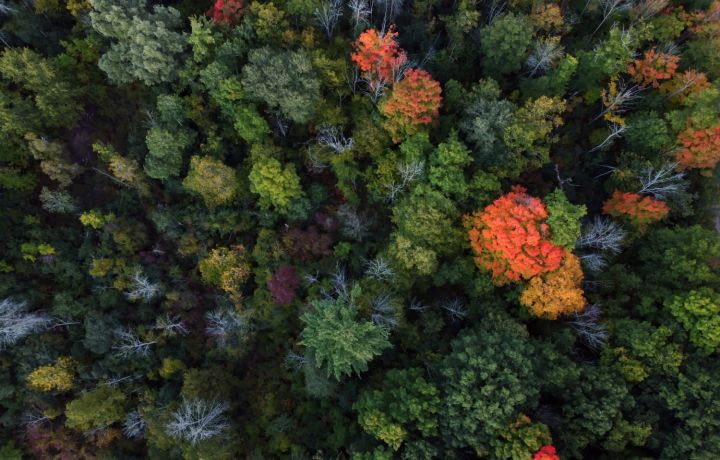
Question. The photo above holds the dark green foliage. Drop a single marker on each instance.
(504, 44)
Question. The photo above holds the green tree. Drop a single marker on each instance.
(405, 402)
(165, 152)
(278, 186)
(563, 218)
(284, 81)
(446, 167)
(97, 408)
(211, 179)
(504, 44)
(340, 342)
(699, 313)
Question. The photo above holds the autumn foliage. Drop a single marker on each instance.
(556, 293)
(639, 210)
(700, 148)
(654, 67)
(414, 102)
(227, 12)
(378, 54)
(282, 285)
(546, 453)
(511, 239)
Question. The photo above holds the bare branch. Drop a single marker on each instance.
(142, 289)
(129, 344)
(602, 234)
(379, 269)
(198, 420)
(16, 322)
(134, 425)
(328, 14)
(588, 327)
(333, 138)
(663, 182)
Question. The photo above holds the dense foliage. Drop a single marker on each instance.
(245, 229)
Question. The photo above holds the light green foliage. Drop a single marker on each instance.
(228, 95)
(59, 202)
(488, 379)
(554, 84)
(624, 433)
(651, 345)
(278, 185)
(504, 44)
(605, 60)
(340, 342)
(147, 48)
(284, 81)
(203, 38)
(700, 110)
(446, 167)
(405, 402)
(97, 408)
(563, 218)
(211, 179)
(165, 152)
(699, 313)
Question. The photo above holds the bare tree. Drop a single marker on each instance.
(384, 313)
(663, 182)
(333, 138)
(198, 420)
(602, 234)
(142, 289)
(225, 326)
(379, 269)
(611, 7)
(615, 131)
(172, 325)
(341, 285)
(295, 360)
(588, 327)
(361, 11)
(409, 172)
(375, 87)
(134, 425)
(619, 100)
(33, 417)
(496, 9)
(543, 56)
(646, 9)
(16, 322)
(328, 14)
(455, 308)
(593, 261)
(129, 344)
(352, 223)
(417, 305)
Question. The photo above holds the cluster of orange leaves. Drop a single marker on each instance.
(701, 148)
(414, 101)
(511, 239)
(546, 453)
(654, 67)
(638, 209)
(227, 12)
(378, 55)
(557, 292)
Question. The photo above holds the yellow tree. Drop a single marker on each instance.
(58, 376)
(556, 293)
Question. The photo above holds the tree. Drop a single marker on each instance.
(511, 238)
(404, 403)
(699, 313)
(563, 218)
(637, 209)
(165, 152)
(226, 268)
(378, 55)
(653, 68)
(278, 186)
(556, 293)
(282, 285)
(446, 167)
(341, 344)
(97, 408)
(212, 179)
(473, 384)
(147, 48)
(414, 102)
(700, 149)
(504, 44)
(58, 376)
(227, 12)
(546, 453)
(16, 322)
(284, 81)
(520, 438)
(52, 161)
(198, 420)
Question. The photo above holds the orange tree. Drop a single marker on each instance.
(556, 293)
(637, 209)
(227, 12)
(413, 103)
(654, 67)
(700, 148)
(378, 54)
(511, 239)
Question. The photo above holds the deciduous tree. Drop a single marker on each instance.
(413, 103)
(556, 293)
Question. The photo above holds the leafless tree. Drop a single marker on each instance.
(5, 9)
(328, 15)
(361, 11)
(32, 418)
(379, 269)
(588, 327)
(615, 131)
(333, 138)
(315, 163)
(602, 234)
(134, 425)
(375, 87)
(312, 278)
(129, 344)
(593, 261)
(295, 360)
(225, 326)
(117, 380)
(543, 56)
(455, 308)
(417, 305)
(409, 172)
(663, 182)
(341, 286)
(172, 325)
(280, 123)
(391, 8)
(142, 289)
(646, 9)
(353, 224)
(198, 420)
(496, 9)
(611, 7)
(384, 313)
(16, 322)
(621, 100)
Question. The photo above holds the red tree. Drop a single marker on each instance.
(639, 210)
(701, 148)
(282, 285)
(546, 453)
(511, 239)
(414, 102)
(378, 55)
(227, 11)
(653, 68)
